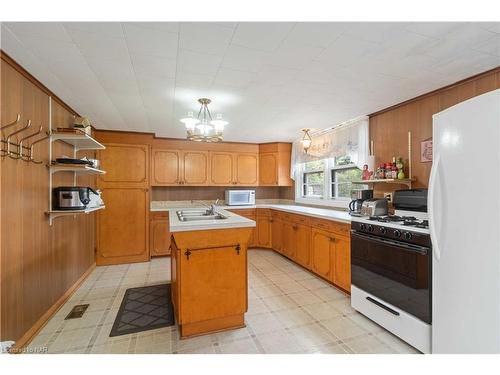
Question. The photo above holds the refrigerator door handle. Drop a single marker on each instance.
(430, 206)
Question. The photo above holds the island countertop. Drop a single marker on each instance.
(233, 221)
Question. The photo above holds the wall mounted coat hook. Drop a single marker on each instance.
(9, 152)
(21, 147)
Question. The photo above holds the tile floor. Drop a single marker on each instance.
(290, 311)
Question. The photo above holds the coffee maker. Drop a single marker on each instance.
(358, 197)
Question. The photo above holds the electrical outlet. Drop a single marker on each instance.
(388, 196)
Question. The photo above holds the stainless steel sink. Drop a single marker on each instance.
(196, 215)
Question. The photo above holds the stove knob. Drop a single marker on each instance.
(370, 228)
(397, 233)
(407, 235)
(382, 230)
(362, 226)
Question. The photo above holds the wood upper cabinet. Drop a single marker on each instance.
(268, 163)
(123, 227)
(166, 167)
(177, 167)
(195, 167)
(246, 169)
(322, 244)
(125, 165)
(221, 168)
(274, 164)
(342, 263)
(302, 240)
(159, 234)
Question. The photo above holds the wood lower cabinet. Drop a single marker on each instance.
(322, 244)
(288, 245)
(249, 214)
(302, 243)
(264, 229)
(276, 232)
(342, 263)
(123, 227)
(159, 234)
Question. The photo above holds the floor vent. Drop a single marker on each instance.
(77, 311)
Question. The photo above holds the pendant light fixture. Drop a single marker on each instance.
(204, 128)
(306, 140)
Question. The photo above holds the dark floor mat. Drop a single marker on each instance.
(143, 309)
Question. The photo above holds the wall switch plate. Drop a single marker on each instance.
(388, 196)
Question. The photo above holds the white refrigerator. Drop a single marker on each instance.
(464, 211)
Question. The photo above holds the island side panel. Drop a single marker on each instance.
(211, 284)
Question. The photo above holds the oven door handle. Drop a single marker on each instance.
(409, 247)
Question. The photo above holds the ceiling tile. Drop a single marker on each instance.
(45, 30)
(150, 41)
(199, 63)
(157, 66)
(99, 46)
(346, 50)
(247, 59)
(265, 36)
(108, 29)
(233, 78)
(320, 34)
(204, 37)
(294, 56)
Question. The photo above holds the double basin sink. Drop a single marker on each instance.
(198, 214)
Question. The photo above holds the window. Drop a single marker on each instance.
(313, 179)
(342, 173)
(328, 180)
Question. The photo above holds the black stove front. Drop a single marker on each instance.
(394, 265)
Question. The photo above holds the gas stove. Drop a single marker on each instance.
(403, 221)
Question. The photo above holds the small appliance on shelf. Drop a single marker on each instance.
(72, 197)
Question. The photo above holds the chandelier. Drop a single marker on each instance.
(204, 128)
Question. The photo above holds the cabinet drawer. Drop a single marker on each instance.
(331, 226)
(244, 212)
(263, 212)
(300, 219)
(158, 215)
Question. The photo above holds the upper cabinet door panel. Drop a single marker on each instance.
(166, 167)
(125, 165)
(195, 167)
(247, 169)
(221, 168)
(268, 169)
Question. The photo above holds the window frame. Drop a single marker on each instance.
(327, 199)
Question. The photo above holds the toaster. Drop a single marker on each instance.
(374, 207)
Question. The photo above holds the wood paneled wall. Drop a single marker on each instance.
(39, 263)
(389, 128)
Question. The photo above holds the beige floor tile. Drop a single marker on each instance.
(209, 349)
(192, 343)
(329, 293)
(279, 342)
(343, 327)
(293, 317)
(322, 311)
(301, 275)
(314, 283)
(256, 306)
(291, 287)
(369, 345)
(343, 305)
(232, 335)
(365, 323)
(241, 346)
(304, 298)
(268, 291)
(332, 348)
(311, 336)
(279, 303)
(396, 343)
(265, 322)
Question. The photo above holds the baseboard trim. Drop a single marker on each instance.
(40, 323)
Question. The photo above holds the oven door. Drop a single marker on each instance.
(396, 272)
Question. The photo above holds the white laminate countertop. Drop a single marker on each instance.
(233, 221)
(322, 213)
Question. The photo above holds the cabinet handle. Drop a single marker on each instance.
(332, 239)
(271, 220)
(187, 254)
(294, 227)
(238, 248)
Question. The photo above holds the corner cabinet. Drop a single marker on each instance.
(123, 228)
(177, 167)
(274, 164)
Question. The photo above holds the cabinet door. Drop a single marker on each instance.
(342, 263)
(268, 169)
(166, 167)
(221, 168)
(276, 237)
(123, 227)
(247, 169)
(287, 239)
(159, 237)
(209, 276)
(125, 165)
(263, 231)
(195, 167)
(302, 242)
(321, 245)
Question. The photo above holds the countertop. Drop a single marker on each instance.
(322, 213)
(233, 221)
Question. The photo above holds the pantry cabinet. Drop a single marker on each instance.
(177, 167)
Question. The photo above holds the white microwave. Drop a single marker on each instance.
(240, 197)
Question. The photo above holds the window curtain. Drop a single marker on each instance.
(348, 138)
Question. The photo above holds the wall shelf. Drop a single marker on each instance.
(405, 181)
(80, 141)
(77, 168)
(57, 213)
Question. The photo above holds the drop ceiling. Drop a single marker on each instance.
(268, 79)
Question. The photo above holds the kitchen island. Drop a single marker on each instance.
(209, 269)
